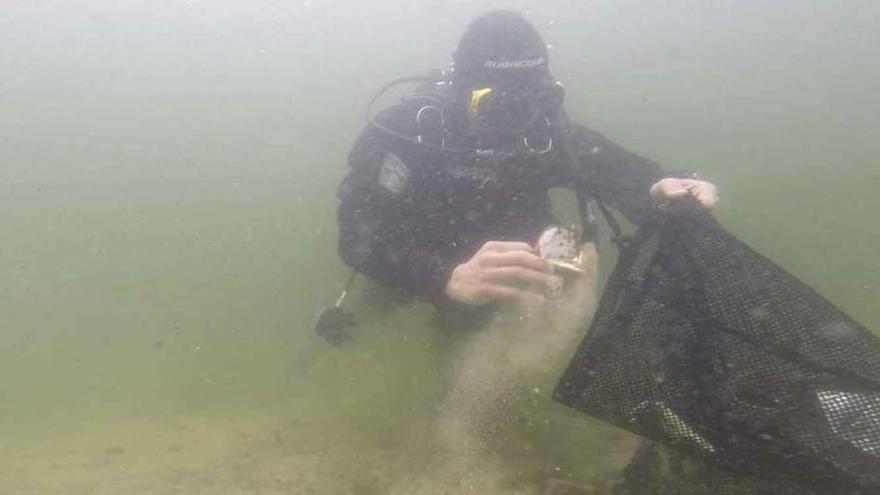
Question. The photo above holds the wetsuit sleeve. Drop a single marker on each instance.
(614, 175)
(381, 227)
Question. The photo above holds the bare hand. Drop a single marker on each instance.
(671, 189)
(500, 271)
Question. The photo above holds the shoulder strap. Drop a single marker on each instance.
(617, 236)
(561, 119)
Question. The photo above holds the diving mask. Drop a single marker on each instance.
(513, 109)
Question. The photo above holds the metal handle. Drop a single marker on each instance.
(341, 300)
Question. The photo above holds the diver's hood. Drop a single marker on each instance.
(499, 47)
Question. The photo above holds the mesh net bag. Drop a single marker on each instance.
(748, 378)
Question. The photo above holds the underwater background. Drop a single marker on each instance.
(168, 174)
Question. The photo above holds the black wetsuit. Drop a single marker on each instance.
(410, 213)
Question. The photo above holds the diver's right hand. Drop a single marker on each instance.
(500, 271)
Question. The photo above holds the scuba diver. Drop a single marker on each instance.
(749, 381)
(448, 189)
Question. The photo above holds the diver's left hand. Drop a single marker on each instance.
(671, 189)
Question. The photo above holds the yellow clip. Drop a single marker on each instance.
(477, 95)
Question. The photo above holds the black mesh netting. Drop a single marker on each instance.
(755, 382)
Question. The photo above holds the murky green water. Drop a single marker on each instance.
(167, 196)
